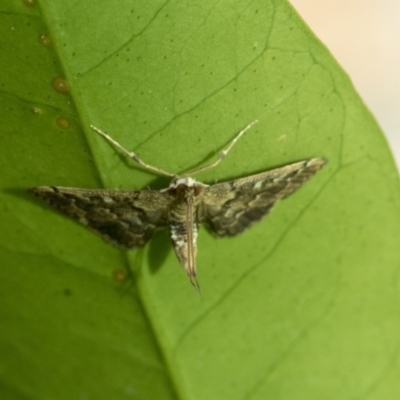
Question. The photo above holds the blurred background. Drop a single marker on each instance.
(364, 37)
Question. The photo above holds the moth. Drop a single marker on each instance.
(128, 218)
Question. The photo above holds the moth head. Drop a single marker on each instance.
(180, 185)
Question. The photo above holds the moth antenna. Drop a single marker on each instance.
(131, 154)
(223, 153)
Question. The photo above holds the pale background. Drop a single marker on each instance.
(364, 37)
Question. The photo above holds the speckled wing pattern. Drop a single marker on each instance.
(230, 207)
(126, 218)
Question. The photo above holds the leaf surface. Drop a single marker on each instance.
(303, 305)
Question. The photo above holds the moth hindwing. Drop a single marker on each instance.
(128, 218)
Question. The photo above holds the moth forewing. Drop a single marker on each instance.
(125, 218)
(233, 206)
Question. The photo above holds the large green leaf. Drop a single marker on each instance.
(302, 306)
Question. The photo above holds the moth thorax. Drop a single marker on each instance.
(183, 191)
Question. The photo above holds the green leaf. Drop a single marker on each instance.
(303, 305)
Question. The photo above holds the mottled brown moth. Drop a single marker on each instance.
(128, 218)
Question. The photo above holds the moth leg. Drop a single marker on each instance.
(131, 154)
(223, 153)
(193, 281)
